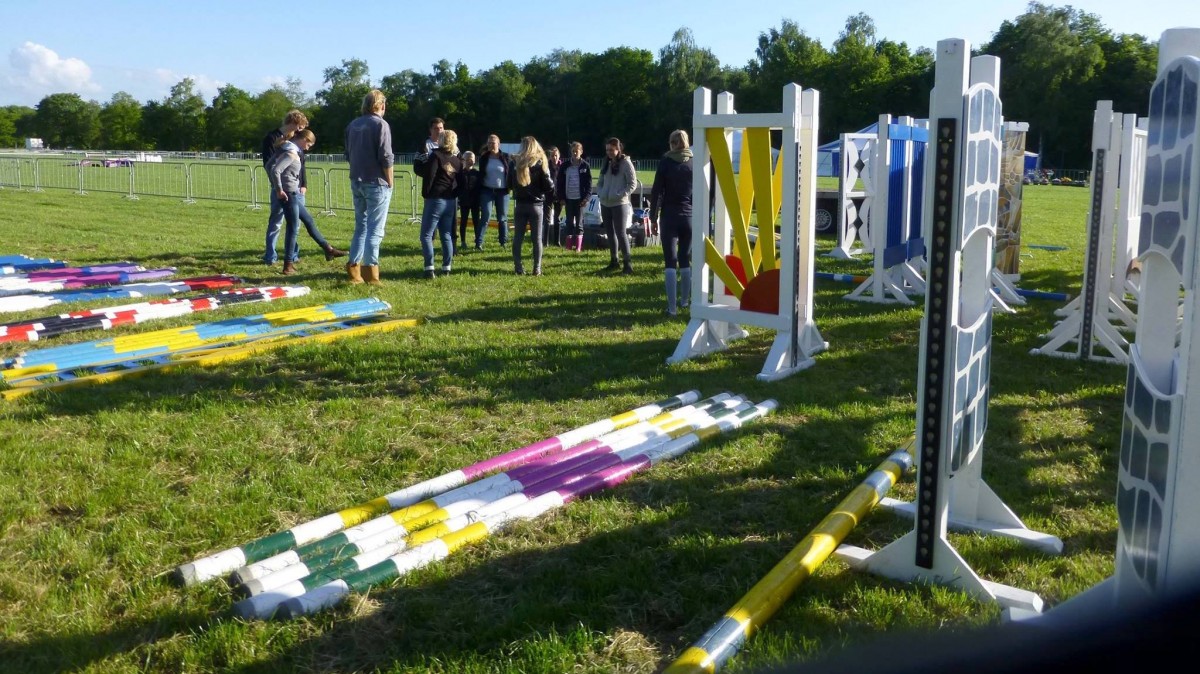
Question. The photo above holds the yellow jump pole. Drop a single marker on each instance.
(724, 639)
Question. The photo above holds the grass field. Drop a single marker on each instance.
(107, 489)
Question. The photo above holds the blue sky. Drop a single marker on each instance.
(143, 47)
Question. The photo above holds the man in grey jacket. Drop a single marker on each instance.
(369, 151)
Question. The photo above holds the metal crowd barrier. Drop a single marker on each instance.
(246, 183)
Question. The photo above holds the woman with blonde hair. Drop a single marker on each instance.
(532, 184)
(671, 213)
(439, 171)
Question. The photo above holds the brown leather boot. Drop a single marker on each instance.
(354, 273)
(331, 252)
(289, 268)
(371, 275)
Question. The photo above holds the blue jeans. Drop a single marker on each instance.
(291, 215)
(309, 224)
(487, 197)
(371, 202)
(274, 221)
(279, 212)
(439, 215)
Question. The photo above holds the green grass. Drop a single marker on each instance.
(107, 489)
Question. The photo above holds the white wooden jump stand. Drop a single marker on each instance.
(1092, 323)
(855, 154)
(1158, 503)
(717, 318)
(960, 214)
(894, 230)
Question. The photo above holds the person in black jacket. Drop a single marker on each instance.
(439, 171)
(532, 185)
(495, 177)
(574, 188)
(553, 206)
(671, 214)
(468, 198)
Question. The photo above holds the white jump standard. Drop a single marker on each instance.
(953, 380)
(751, 285)
(1158, 533)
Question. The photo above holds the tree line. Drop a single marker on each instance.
(1056, 62)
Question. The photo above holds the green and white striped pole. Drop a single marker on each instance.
(218, 564)
(335, 591)
(270, 591)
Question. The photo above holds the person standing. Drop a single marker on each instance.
(468, 198)
(617, 182)
(369, 152)
(284, 173)
(671, 213)
(436, 126)
(306, 218)
(439, 171)
(532, 185)
(293, 121)
(552, 210)
(495, 168)
(574, 188)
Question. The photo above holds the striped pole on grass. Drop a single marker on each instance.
(130, 290)
(21, 286)
(316, 333)
(107, 318)
(43, 377)
(724, 639)
(19, 264)
(128, 347)
(296, 580)
(335, 591)
(73, 272)
(218, 564)
(18, 278)
(399, 523)
(854, 278)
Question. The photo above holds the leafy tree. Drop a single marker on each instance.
(783, 55)
(156, 124)
(178, 122)
(683, 66)
(270, 107)
(8, 130)
(340, 101)
(16, 124)
(1048, 56)
(414, 98)
(294, 89)
(66, 120)
(1130, 65)
(552, 105)
(232, 121)
(121, 123)
(615, 90)
(499, 96)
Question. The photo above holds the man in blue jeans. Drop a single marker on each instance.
(495, 177)
(293, 122)
(369, 151)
